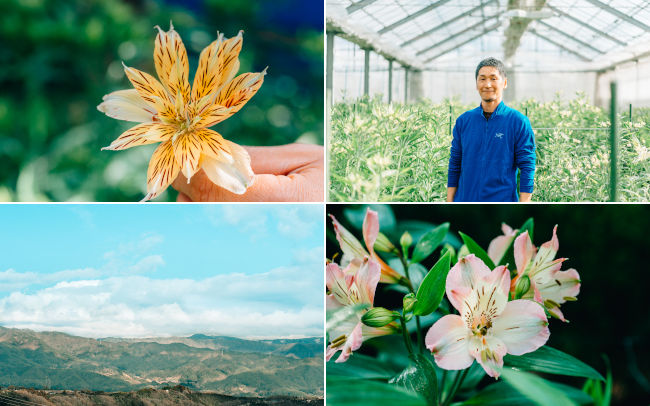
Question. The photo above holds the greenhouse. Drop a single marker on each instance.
(399, 73)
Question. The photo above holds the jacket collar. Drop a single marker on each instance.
(498, 111)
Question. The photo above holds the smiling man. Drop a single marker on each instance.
(491, 143)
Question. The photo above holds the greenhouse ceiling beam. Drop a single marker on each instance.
(583, 24)
(620, 15)
(584, 44)
(485, 31)
(358, 5)
(412, 16)
(458, 34)
(557, 44)
(446, 23)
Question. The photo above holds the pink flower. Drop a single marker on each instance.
(548, 285)
(354, 253)
(499, 245)
(488, 326)
(352, 287)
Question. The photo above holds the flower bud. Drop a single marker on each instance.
(378, 317)
(383, 244)
(522, 286)
(405, 241)
(409, 302)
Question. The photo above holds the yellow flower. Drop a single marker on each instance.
(178, 117)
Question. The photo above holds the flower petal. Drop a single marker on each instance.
(559, 285)
(352, 343)
(213, 115)
(170, 58)
(230, 171)
(142, 134)
(218, 64)
(370, 232)
(240, 90)
(187, 150)
(547, 251)
(366, 280)
(336, 283)
(522, 327)
(212, 143)
(129, 106)
(489, 352)
(151, 91)
(349, 244)
(162, 171)
(524, 251)
(447, 339)
(488, 298)
(463, 278)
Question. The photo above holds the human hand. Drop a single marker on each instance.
(285, 173)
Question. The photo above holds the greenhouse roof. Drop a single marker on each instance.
(529, 35)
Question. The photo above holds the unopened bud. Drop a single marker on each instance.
(405, 241)
(409, 302)
(378, 317)
(522, 286)
(383, 244)
(408, 317)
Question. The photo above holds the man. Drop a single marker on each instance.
(490, 143)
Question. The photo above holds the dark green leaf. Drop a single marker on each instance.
(475, 249)
(429, 242)
(369, 393)
(552, 361)
(419, 377)
(502, 394)
(432, 288)
(537, 389)
(417, 273)
(359, 366)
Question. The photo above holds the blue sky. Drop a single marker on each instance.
(159, 270)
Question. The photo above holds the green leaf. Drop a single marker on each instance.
(536, 389)
(432, 288)
(419, 377)
(552, 361)
(369, 393)
(429, 242)
(359, 366)
(475, 249)
(502, 394)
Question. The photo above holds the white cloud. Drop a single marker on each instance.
(282, 302)
(11, 280)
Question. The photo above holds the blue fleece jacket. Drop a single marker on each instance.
(485, 155)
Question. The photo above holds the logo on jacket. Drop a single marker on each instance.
(498, 135)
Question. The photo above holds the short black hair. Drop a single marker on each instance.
(492, 62)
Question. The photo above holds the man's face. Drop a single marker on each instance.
(490, 84)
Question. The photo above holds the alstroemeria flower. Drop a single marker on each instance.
(548, 285)
(177, 116)
(488, 326)
(352, 287)
(500, 244)
(354, 253)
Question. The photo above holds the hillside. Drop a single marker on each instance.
(58, 361)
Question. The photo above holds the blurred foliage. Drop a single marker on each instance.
(603, 242)
(59, 58)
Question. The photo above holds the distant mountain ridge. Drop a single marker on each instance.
(231, 366)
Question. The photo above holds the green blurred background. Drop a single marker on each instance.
(58, 58)
(606, 244)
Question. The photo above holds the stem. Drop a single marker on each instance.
(443, 386)
(407, 337)
(419, 331)
(417, 318)
(458, 381)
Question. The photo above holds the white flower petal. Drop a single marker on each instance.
(127, 105)
(231, 172)
(522, 327)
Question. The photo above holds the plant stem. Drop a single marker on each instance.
(419, 331)
(407, 337)
(443, 386)
(417, 318)
(458, 381)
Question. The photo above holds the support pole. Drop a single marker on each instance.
(406, 84)
(328, 108)
(451, 112)
(613, 140)
(390, 81)
(366, 72)
(630, 112)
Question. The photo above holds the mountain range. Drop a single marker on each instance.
(226, 365)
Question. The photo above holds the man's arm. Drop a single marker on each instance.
(455, 158)
(451, 192)
(525, 197)
(525, 160)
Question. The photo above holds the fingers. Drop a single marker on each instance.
(285, 173)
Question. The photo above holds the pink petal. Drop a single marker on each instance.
(548, 250)
(498, 247)
(463, 277)
(331, 303)
(500, 277)
(522, 327)
(447, 340)
(370, 229)
(353, 343)
(524, 251)
(336, 283)
(558, 285)
(350, 246)
(507, 230)
(366, 280)
(489, 352)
